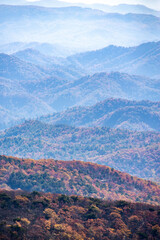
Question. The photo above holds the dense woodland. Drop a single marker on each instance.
(37, 216)
(75, 177)
(134, 152)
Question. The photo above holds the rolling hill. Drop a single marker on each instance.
(57, 85)
(32, 67)
(136, 153)
(87, 79)
(35, 57)
(17, 103)
(113, 113)
(54, 50)
(53, 66)
(142, 60)
(91, 89)
(76, 178)
(13, 68)
(23, 84)
(54, 84)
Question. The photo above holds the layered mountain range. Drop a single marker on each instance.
(80, 121)
(113, 113)
(141, 60)
(134, 152)
(32, 80)
(78, 25)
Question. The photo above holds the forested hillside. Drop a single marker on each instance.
(134, 152)
(51, 216)
(113, 113)
(75, 177)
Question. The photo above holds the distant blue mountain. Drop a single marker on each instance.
(13, 68)
(17, 103)
(35, 57)
(44, 3)
(76, 28)
(113, 113)
(54, 50)
(121, 8)
(93, 88)
(39, 97)
(142, 60)
(46, 84)
(126, 8)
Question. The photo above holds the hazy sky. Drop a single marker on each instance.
(150, 3)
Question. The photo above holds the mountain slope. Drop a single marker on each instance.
(41, 216)
(35, 57)
(44, 48)
(59, 86)
(24, 85)
(142, 60)
(16, 102)
(13, 68)
(33, 67)
(53, 66)
(75, 177)
(91, 89)
(7, 119)
(134, 152)
(113, 113)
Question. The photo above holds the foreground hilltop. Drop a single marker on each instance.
(75, 177)
(51, 216)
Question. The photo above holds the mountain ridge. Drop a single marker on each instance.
(142, 58)
(61, 84)
(90, 89)
(79, 172)
(14, 68)
(44, 48)
(99, 25)
(134, 152)
(121, 8)
(122, 110)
